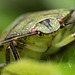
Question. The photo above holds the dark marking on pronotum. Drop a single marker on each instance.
(47, 24)
(48, 21)
(42, 22)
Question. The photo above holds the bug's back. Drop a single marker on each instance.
(26, 22)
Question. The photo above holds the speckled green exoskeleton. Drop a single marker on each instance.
(39, 34)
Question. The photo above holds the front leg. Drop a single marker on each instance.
(14, 53)
(8, 55)
(65, 41)
(64, 37)
(57, 45)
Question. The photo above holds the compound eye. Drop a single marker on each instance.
(60, 20)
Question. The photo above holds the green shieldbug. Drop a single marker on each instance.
(39, 34)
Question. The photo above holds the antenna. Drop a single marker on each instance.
(18, 37)
(69, 23)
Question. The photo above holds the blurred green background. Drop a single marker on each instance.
(10, 9)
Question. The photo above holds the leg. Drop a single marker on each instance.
(8, 55)
(67, 36)
(14, 52)
(64, 37)
(57, 45)
(65, 41)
